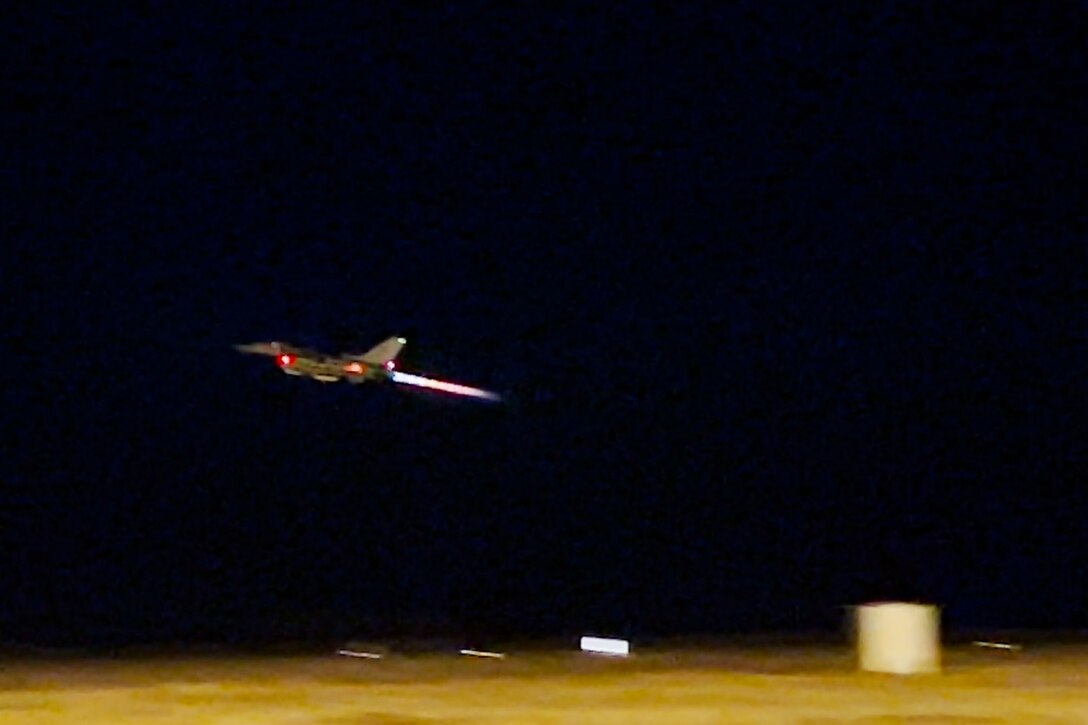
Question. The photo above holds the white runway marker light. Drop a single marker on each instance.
(480, 653)
(997, 645)
(441, 385)
(360, 655)
(605, 646)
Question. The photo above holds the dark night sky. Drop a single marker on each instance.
(788, 302)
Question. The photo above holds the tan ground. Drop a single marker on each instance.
(812, 686)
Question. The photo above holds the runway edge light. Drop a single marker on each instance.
(359, 655)
(606, 646)
(482, 653)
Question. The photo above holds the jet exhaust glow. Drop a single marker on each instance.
(454, 388)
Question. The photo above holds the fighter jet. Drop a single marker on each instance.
(377, 364)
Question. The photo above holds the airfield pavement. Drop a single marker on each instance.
(808, 685)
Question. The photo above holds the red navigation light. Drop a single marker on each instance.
(390, 365)
(286, 360)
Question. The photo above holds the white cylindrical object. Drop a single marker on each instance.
(898, 638)
(606, 646)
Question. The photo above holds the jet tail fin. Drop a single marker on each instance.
(383, 352)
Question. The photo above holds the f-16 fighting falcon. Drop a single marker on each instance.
(377, 364)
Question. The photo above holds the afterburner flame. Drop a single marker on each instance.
(441, 385)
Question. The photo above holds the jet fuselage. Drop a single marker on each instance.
(332, 369)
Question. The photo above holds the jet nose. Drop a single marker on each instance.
(259, 348)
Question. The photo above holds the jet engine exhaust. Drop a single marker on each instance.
(454, 388)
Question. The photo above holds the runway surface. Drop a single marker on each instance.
(810, 685)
